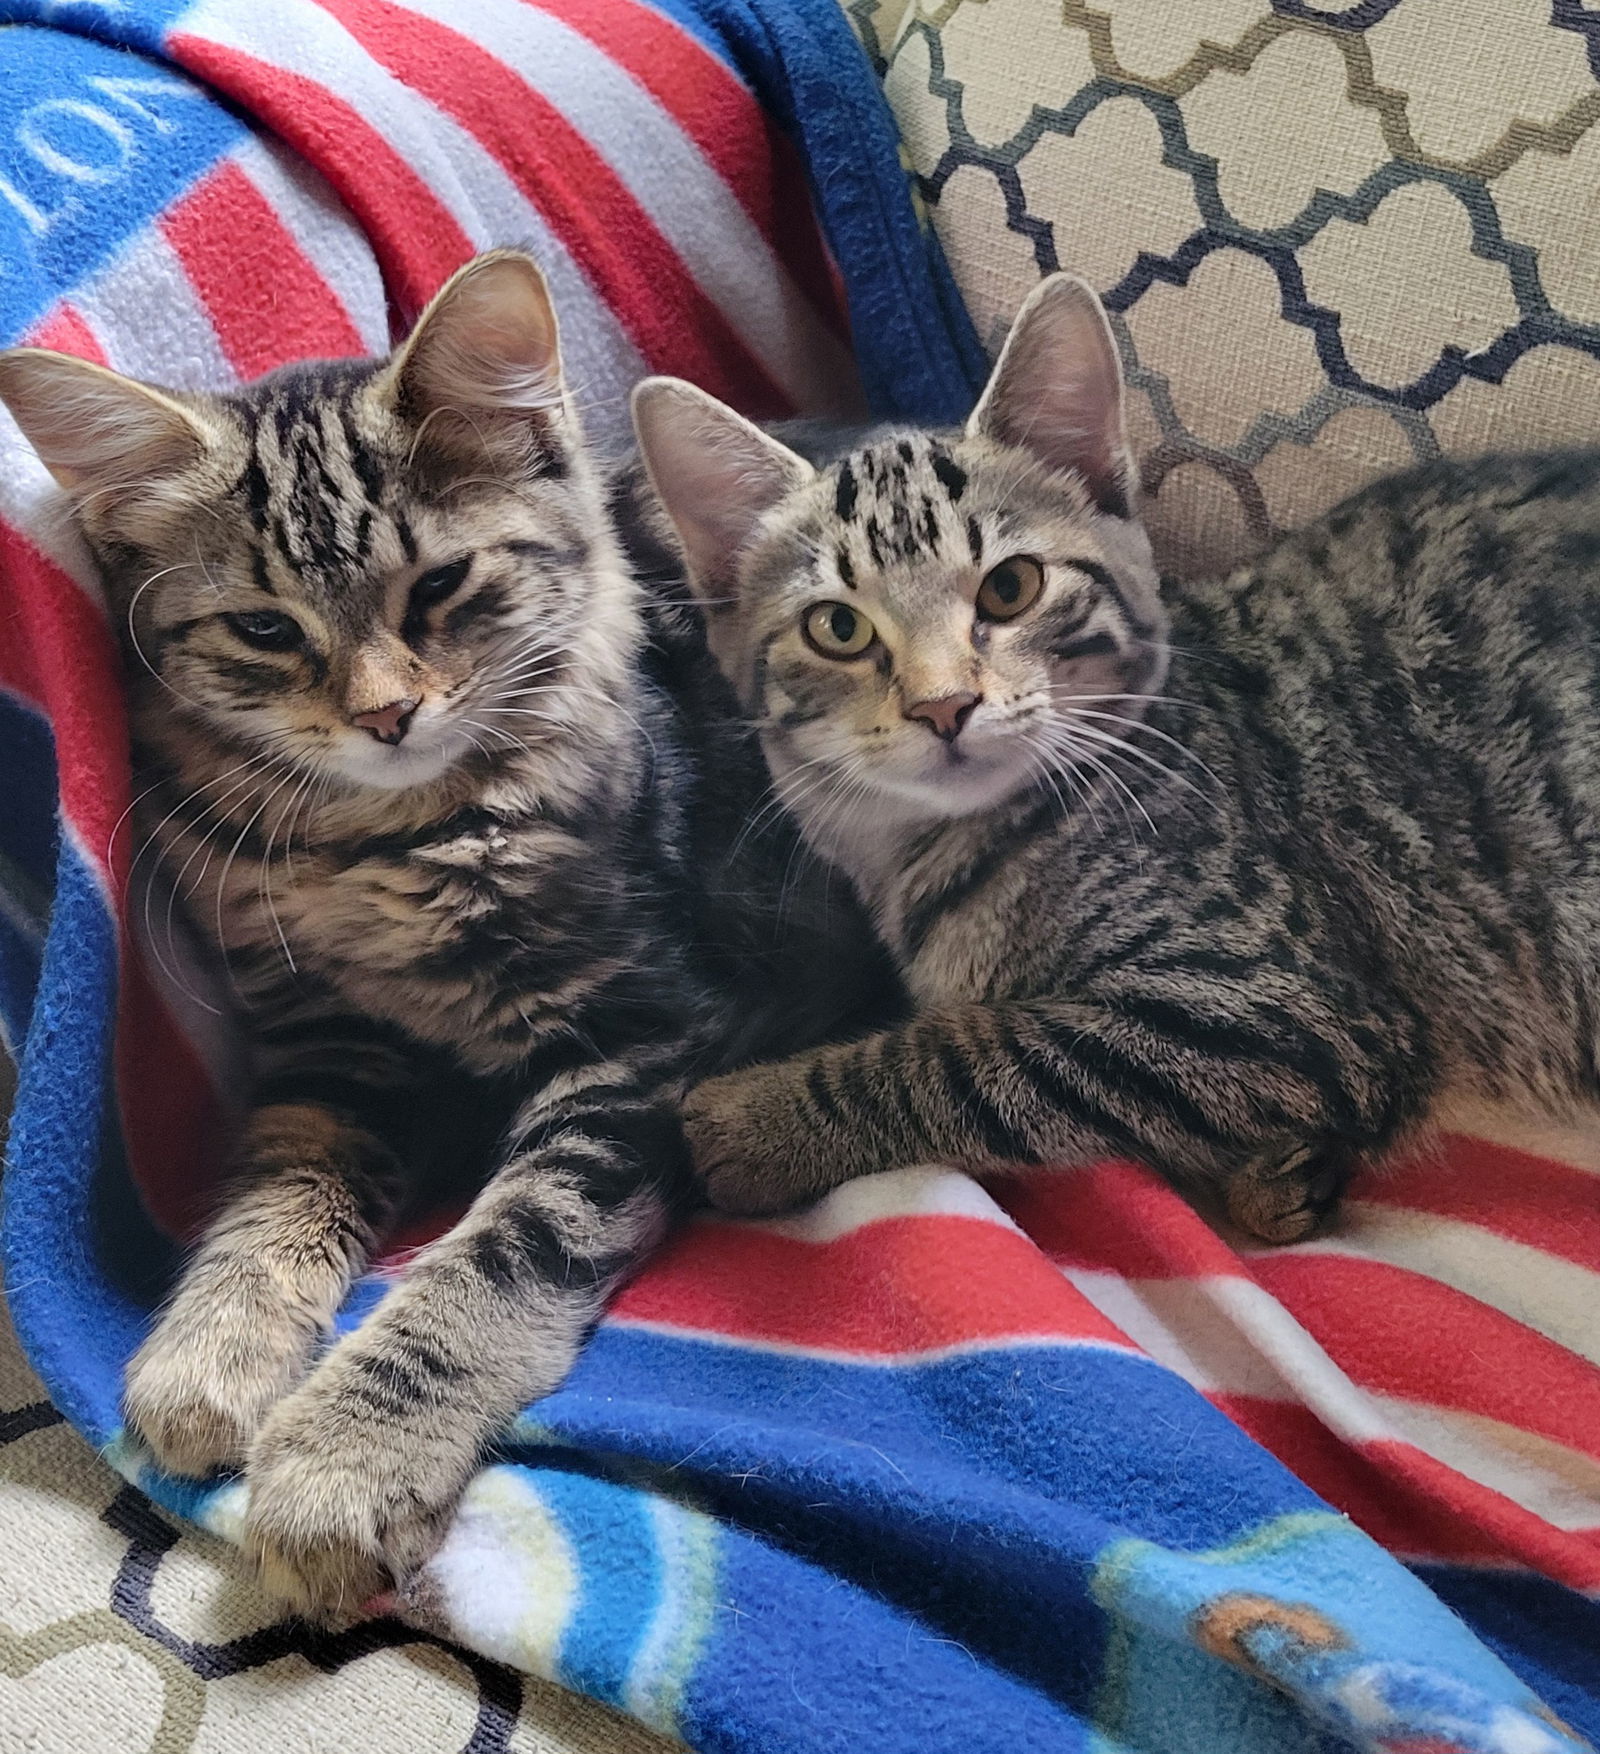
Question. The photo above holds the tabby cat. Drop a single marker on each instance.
(458, 805)
(1233, 878)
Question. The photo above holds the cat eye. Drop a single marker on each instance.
(266, 629)
(439, 582)
(1010, 588)
(838, 631)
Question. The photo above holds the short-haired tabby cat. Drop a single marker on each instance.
(475, 854)
(1233, 878)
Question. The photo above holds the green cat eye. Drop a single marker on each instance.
(266, 629)
(1010, 588)
(838, 631)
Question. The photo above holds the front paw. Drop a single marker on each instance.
(750, 1150)
(1290, 1195)
(222, 1355)
(345, 1502)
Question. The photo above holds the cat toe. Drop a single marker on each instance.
(186, 1426)
(344, 1506)
(748, 1157)
(225, 1352)
(1289, 1197)
(195, 1416)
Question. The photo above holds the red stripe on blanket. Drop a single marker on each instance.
(1396, 1332)
(731, 131)
(1549, 1206)
(608, 234)
(168, 1112)
(76, 678)
(267, 302)
(67, 332)
(901, 1285)
(1119, 1218)
(416, 238)
(1410, 1503)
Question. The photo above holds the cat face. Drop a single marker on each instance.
(934, 622)
(374, 570)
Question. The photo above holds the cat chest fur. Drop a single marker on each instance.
(952, 913)
(477, 941)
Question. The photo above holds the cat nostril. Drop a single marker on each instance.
(946, 716)
(390, 723)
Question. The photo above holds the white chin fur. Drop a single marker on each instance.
(944, 786)
(422, 757)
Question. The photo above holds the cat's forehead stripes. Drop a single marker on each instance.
(894, 504)
(313, 482)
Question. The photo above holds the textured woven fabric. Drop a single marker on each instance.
(1337, 234)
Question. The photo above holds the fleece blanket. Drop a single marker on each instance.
(1051, 1466)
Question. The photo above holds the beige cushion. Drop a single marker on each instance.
(1419, 188)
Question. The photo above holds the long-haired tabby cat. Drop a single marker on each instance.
(455, 802)
(1233, 878)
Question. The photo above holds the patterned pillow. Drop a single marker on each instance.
(1335, 235)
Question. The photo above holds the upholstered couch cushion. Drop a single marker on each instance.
(1336, 234)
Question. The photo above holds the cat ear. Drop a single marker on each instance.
(482, 368)
(716, 474)
(1056, 391)
(97, 432)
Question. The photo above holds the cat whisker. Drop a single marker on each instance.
(233, 853)
(1120, 789)
(852, 782)
(264, 875)
(1068, 700)
(482, 748)
(175, 881)
(1131, 725)
(304, 809)
(1040, 760)
(505, 737)
(532, 647)
(1081, 766)
(134, 803)
(777, 796)
(133, 636)
(1121, 746)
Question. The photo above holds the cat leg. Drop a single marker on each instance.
(308, 1199)
(1063, 1083)
(354, 1476)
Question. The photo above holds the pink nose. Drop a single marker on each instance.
(945, 716)
(388, 723)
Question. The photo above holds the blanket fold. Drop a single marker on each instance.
(1051, 1466)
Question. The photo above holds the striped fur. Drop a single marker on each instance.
(503, 941)
(1235, 879)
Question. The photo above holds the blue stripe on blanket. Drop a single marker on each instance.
(80, 1327)
(915, 345)
(1037, 1449)
(622, 1582)
(808, 1665)
(94, 142)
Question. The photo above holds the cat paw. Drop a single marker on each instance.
(200, 1386)
(344, 1503)
(1288, 1197)
(745, 1143)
